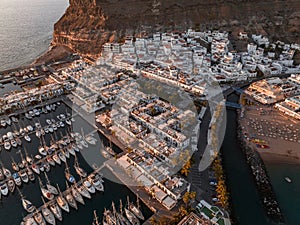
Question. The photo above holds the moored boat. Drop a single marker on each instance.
(77, 196)
(4, 189)
(17, 179)
(50, 187)
(27, 205)
(48, 215)
(39, 218)
(135, 209)
(11, 185)
(55, 209)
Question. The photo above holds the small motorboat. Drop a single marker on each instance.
(29, 128)
(4, 189)
(27, 138)
(17, 179)
(7, 145)
(28, 116)
(13, 143)
(289, 180)
(24, 176)
(42, 151)
(70, 178)
(48, 121)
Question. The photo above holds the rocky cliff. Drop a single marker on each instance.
(87, 24)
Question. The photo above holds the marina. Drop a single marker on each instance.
(41, 156)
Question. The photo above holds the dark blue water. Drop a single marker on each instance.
(288, 194)
(246, 206)
(26, 28)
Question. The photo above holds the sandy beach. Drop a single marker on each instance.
(274, 135)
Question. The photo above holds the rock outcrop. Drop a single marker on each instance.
(87, 24)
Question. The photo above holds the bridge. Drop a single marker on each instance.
(238, 90)
(233, 105)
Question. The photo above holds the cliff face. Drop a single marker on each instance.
(87, 24)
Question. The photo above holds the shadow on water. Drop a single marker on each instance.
(246, 205)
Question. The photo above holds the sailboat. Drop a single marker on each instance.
(11, 185)
(29, 221)
(83, 191)
(50, 187)
(109, 149)
(78, 169)
(27, 157)
(77, 195)
(96, 181)
(27, 205)
(50, 160)
(39, 218)
(130, 215)
(121, 216)
(109, 217)
(89, 186)
(56, 211)
(96, 219)
(6, 172)
(69, 197)
(46, 193)
(62, 156)
(71, 150)
(61, 201)
(35, 168)
(91, 140)
(48, 215)
(56, 158)
(135, 209)
(30, 174)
